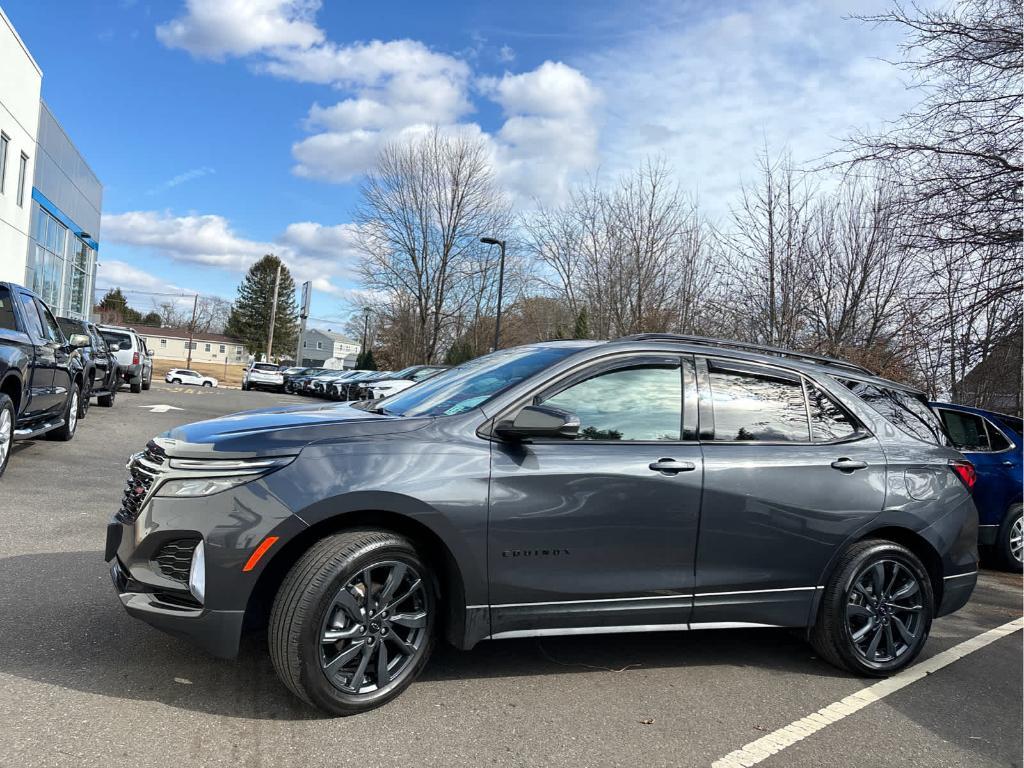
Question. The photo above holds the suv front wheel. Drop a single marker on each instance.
(67, 430)
(353, 622)
(876, 611)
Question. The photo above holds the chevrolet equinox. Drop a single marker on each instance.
(655, 482)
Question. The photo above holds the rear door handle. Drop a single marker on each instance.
(671, 466)
(848, 465)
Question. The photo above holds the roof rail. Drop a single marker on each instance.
(747, 347)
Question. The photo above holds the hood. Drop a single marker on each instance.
(275, 431)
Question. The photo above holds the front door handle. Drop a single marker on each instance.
(1007, 463)
(671, 466)
(848, 465)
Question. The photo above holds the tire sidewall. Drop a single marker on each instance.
(323, 693)
(7, 405)
(1006, 558)
(882, 551)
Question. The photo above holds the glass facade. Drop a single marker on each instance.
(60, 265)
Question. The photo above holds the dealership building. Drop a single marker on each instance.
(50, 200)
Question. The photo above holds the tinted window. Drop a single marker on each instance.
(71, 326)
(1013, 423)
(828, 420)
(752, 406)
(641, 403)
(7, 317)
(905, 411)
(53, 332)
(30, 315)
(997, 440)
(966, 430)
(474, 383)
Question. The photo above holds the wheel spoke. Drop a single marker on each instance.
(872, 650)
(368, 589)
(411, 620)
(877, 574)
(403, 646)
(334, 665)
(405, 595)
(861, 633)
(857, 611)
(890, 643)
(896, 568)
(356, 681)
(333, 635)
(907, 636)
(383, 674)
(909, 589)
(348, 603)
(395, 577)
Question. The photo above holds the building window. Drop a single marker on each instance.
(319, 345)
(46, 256)
(207, 347)
(5, 141)
(22, 173)
(163, 342)
(222, 349)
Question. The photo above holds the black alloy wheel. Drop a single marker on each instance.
(353, 621)
(876, 611)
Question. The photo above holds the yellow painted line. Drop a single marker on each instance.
(778, 740)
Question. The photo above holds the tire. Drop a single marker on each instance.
(107, 401)
(309, 604)
(8, 420)
(207, 384)
(245, 387)
(136, 384)
(67, 431)
(834, 634)
(173, 381)
(148, 381)
(83, 403)
(1008, 544)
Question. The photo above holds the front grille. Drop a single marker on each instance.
(143, 469)
(175, 558)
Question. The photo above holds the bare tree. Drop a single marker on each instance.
(423, 209)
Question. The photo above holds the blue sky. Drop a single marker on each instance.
(222, 129)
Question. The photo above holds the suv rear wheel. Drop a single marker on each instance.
(136, 384)
(67, 431)
(353, 622)
(1011, 536)
(6, 430)
(877, 610)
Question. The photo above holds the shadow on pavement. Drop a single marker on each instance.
(63, 625)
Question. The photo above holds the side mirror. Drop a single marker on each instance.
(79, 340)
(540, 421)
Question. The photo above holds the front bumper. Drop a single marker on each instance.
(231, 525)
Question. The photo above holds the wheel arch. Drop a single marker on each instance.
(915, 542)
(450, 580)
(12, 387)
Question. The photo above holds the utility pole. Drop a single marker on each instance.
(307, 289)
(501, 285)
(366, 328)
(273, 313)
(192, 330)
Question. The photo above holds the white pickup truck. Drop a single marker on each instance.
(263, 376)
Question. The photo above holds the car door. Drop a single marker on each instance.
(990, 452)
(43, 399)
(598, 533)
(62, 352)
(789, 475)
(101, 360)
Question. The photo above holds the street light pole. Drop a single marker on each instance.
(501, 285)
(366, 329)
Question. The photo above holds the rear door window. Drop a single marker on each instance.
(30, 315)
(761, 407)
(50, 327)
(828, 420)
(966, 430)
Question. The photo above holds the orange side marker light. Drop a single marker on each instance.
(259, 552)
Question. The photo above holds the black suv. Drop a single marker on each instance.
(41, 373)
(650, 483)
(102, 376)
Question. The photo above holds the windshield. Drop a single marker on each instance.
(474, 383)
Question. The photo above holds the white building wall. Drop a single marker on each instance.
(20, 87)
(174, 348)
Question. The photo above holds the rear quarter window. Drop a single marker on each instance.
(8, 320)
(907, 412)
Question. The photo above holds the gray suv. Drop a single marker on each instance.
(650, 483)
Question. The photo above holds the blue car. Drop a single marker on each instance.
(992, 442)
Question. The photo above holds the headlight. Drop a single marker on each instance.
(205, 477)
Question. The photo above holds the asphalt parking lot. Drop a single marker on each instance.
(81, 684)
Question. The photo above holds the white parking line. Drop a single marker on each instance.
(776, 741)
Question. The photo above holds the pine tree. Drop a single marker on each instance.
(250, 314)
(365, 361)
(582, 328)
(152, 318)
(114, 308)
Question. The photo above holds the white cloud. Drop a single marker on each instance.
(310, 250)
(218, 28)
(181, 178)
(130, 278)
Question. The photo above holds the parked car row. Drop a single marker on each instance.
(359, 385)
(51, 368)
(653, 482)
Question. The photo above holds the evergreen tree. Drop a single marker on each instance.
(114, 307)
(459, 352)
(365, 361)
(152, 318)
(581, 330)
(250, 314)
